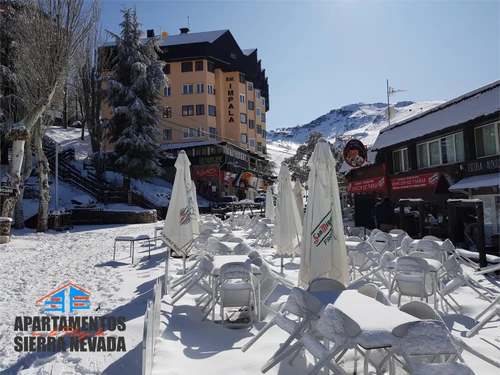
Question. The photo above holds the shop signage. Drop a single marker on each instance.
(211, 159)
(7, 191)
(415, 182)
(354, 153)
(230, 98)
(206, 172)
(482, 166)
(247, 175)
(363, 186)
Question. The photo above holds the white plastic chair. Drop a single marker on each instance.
(428, 339)
(431, 238)
(242, 249)
(294, 317)
(403, 248)
(493, 311)
(382, 242)
(410, 278)
(236, 288)
(396, 231)
(198, 279)
(373, 291)
(333, 325)
(323, 284)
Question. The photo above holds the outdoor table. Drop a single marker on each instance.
(375, 319)
(351, 245)
(231, 246)
(415, 243)
(218, 262)
(218, 235)
(434, 267)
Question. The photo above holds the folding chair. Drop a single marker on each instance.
(302, 307)
(410, 278)
(373, 291)
(324, 284)
(493, 311)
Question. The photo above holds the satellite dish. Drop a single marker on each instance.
(164, 33)
(390, 112)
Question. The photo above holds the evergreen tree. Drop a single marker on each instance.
(133, 91)
(298, 162)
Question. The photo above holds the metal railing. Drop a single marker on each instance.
(151, 328)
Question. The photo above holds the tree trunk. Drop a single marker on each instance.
(43, 182)
(19, 133)
(27, 169)
(65, 109)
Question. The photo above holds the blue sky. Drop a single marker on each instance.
(321, 55)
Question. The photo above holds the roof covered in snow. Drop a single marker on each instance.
(480, 102)
(176, 146)
(477, 182)
(189, 38)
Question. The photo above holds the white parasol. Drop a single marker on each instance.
(323, 244)
(270, 212)
(181, 224)
(297, 192)
(288, 229)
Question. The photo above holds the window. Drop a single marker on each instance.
(242, 98)
(187, 110)
(259, 146)
(264, 134)
(487, 140)
(250, 105)
(243, 118)
(167, 134)
(252, 142)
(211, 90)
(243, 138)
(263, 101)
(215, 150)
(187, 89)
(242, 78)
(200, 88)
(167, 112)
(201, 151)
(211, 110)
(193, 132)
(198, 66)
(258, 111)
(166, 69)
(257, 94)
(263, 117)
(167, 91)
(211, 67)
(251, 124)
(213, 133)
(259, 129)
(187, 66)
(264, 150)
(449, 149)
(400, 160)
(200, 109)
(250, 86)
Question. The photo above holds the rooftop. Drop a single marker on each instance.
(482, 101)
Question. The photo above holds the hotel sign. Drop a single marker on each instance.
(230, 98)
(363, 186)
(415, 182)
(211, 159)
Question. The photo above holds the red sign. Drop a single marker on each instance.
(415, 182)
(206, 172)
(363, 186)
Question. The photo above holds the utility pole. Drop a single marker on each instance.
(390, 91)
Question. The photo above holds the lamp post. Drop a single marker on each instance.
(57, 177)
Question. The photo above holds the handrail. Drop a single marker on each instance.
(151, 328)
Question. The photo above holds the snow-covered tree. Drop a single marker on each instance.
(133, 92)
(44, 37)
(298, 162)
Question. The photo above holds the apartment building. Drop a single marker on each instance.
(214, 108)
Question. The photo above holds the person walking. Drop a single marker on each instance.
(379, 200)
(384, 215)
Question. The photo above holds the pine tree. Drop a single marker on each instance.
(298, 162)
(133, 91)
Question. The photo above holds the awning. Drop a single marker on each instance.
(475, 182)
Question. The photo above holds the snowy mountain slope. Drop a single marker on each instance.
(362, 121)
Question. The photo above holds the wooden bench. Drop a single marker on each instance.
(132, 240)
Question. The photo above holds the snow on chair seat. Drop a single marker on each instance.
(132, 240)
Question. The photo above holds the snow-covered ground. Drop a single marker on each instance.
(33, 265)
(71, 137)
(278, 151)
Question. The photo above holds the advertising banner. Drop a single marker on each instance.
(206, 172)
(364, 186)
(415, 182)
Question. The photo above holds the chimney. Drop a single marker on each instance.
(150, 33)
(184, 30)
